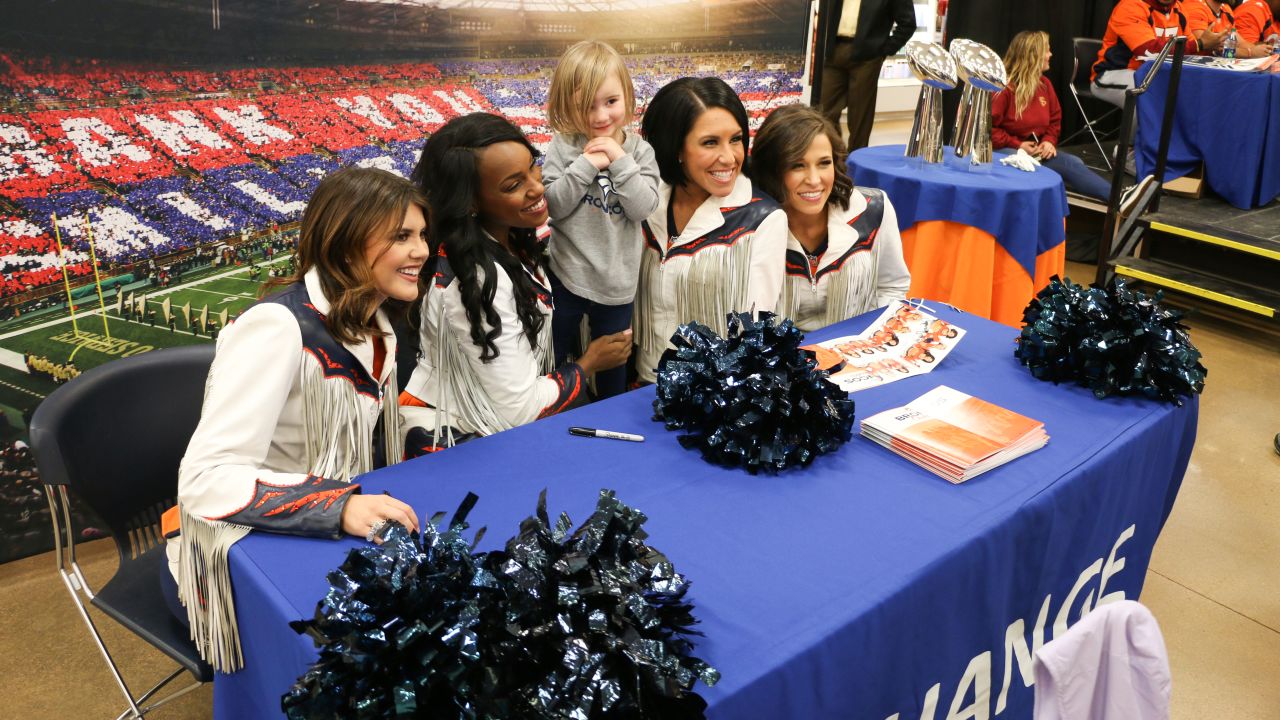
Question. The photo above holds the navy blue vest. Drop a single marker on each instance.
(334, 358)
(737, 222)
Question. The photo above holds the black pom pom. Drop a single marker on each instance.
(1112, 340)
(754, 399)
(398, 629)
(598, 622)
(588, 625)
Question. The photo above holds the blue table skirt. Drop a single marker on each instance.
(1228, 120)
(1022, 210)
(859, 587)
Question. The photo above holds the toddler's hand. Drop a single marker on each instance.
(606, 145)
(597, 159)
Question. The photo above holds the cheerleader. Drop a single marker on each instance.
(844, 253)
(297, 385)
(486, 363)
(715, 244)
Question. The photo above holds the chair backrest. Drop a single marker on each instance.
(1113, 658)
(116, 435)
(1086, 50)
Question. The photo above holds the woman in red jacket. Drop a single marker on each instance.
(1026, 115)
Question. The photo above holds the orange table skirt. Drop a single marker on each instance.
(966, 267)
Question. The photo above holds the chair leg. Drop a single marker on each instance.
(1089, 124)
(72, 583)
(147, 695)
(60, 510)
(168, 698)
(74, 580)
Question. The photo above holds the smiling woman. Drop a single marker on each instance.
(395, 256)
(485, 330)
(715, 244)
(297, 385)
(844, 253)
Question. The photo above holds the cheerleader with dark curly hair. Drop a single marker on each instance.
(485, 363)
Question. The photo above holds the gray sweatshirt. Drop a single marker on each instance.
(595, 217)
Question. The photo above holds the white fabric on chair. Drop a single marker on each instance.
(1111, 665)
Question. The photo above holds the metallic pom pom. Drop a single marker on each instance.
(586, 625)
(753, 399)
(1112, 340)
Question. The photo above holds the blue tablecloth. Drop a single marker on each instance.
(1228, 120)
(857, 588)
(1022, 210)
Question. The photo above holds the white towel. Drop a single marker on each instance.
(1021, 160)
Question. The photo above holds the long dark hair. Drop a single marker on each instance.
(672, 113)
(348, 206)
(448, 173)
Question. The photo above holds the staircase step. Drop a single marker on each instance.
(1209, 287)
(1222, 237)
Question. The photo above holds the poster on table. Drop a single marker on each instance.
(905, 341)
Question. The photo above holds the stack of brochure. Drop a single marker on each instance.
(955, 435)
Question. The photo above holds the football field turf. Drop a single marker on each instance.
(86, 343)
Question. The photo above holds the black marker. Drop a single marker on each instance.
(592, 432)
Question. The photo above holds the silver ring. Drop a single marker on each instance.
(375, 529)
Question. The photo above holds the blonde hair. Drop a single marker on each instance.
(1023, 62)
(581, 71)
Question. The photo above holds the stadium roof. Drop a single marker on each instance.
(213, 31)
(537, 5)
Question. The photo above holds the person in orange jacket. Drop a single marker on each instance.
(1212, 15)
(1217, 17)
(1256, 23)
(1136, 32)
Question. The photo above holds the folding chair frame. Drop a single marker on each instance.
(80, 590)
(1088, 123)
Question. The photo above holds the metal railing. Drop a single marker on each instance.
(1121, 241)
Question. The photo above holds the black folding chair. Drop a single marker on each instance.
(1086, 53)
(114, 437)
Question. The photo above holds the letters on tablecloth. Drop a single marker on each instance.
(972, 696)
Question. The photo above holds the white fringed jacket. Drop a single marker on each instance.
(288, 420)
(861, 269)
(728, 258)
(466, 394)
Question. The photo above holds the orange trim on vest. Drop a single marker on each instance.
(407, 400)
(170, 522)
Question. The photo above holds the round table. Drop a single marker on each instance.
(983, 238)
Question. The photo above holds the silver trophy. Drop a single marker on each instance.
(983, 74)
(961, 135)
(937, 71)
